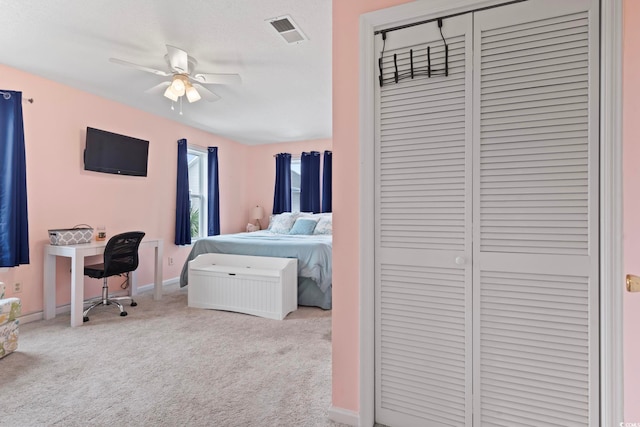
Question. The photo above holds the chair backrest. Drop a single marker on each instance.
(121, 253)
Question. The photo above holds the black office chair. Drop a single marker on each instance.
(120, 258)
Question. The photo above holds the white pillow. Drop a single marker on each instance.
(324, 225)
(283, 222)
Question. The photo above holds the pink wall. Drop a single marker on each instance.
(631, 196)
(61, 194)
(346, 219)
(346, 172)
(262, 170)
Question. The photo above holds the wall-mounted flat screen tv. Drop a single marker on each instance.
(110, 152)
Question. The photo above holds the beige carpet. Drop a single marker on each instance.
(170, 365)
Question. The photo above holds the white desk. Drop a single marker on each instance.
(77, 253)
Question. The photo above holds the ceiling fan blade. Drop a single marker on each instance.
(158, 89)
(206, 93)
(139, 67)
(178, 59)
(220, 79)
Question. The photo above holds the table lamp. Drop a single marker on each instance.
(257, 214)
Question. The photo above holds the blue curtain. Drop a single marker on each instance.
(183, 203)
(14, 224)
(282, 193)
(310, 182)
(213, 199)
(326, 181)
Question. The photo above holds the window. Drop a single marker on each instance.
(197, 161)
(295, 185)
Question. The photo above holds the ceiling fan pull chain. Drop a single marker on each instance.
(181, 105)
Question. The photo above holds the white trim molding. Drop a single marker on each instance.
(611, 231)
(367, 208)
(611, 256)
(344, 416)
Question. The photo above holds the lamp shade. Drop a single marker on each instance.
(178, 85)
(257, 212)
(171, 94)
(192, 93)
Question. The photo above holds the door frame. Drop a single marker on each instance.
(611, 248)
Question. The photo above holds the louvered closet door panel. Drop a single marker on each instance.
(536, 214)
(423, 224)
(422, 158)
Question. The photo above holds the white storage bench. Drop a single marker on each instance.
(261, 286)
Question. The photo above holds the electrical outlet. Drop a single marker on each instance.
(17, 288)
(170, 260)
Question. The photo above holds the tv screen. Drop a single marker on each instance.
(113, 153)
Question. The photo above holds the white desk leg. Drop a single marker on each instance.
(77, 289)
(157, 287)
(49, 286)
(133, 283)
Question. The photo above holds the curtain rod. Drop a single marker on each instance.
(7, 95)
(298, 155)
(293, 156)
(426, 21)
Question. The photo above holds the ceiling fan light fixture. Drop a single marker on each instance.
(171, 94)
(184, 83)
(178, 85)
(192, 94)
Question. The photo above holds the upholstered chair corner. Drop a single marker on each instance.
(10, 310)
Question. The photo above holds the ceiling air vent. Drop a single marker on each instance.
(288, 29)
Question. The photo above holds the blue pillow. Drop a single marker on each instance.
(303, 226)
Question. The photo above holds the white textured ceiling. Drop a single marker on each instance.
(285, 93)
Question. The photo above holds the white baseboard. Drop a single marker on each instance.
(344, 416)
(33, 317)
(38, 315)
(165, 283)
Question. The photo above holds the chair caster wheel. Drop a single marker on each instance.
(133, 303)
(85, 319)
(124, 313)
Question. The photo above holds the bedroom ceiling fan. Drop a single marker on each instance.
(183, 80)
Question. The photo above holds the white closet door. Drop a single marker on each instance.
(535, 263)
(423, 230)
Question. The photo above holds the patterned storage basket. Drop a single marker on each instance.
(71, 236)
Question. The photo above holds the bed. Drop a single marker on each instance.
(312, 251)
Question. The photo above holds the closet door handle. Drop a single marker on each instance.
(460, 260)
